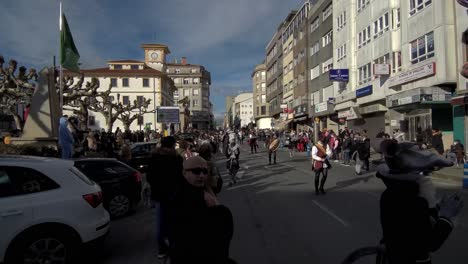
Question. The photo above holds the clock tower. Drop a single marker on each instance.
(155, 56)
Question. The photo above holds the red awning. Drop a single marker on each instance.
(459, 100)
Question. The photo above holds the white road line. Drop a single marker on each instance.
(326, 210)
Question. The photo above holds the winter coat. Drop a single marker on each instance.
(437, 142)
(347, 144)
(164, 174)
(198, 233)
(410, 229)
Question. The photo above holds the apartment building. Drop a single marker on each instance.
(419, 96)
(320, 60)
(274, 72)
(193, 82)
(243, 109)
(260, 104)
(295, 86)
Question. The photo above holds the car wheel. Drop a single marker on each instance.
(119, 205)
(44, 246)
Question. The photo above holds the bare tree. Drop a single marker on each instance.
(15, 89)
(129, 112)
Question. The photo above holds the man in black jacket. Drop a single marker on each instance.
(164, 175)
(200, 228)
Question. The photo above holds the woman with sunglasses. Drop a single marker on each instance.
(201, 228)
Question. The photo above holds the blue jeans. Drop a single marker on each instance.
(161, 226)
(346, 156)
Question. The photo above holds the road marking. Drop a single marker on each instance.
(326, 210)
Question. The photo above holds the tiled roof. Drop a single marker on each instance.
(125, 61)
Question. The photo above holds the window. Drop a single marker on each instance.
(140, 99)
(301, 34)
(117, 67)
(315, 48)
(125, 82)
(364, 37)
(196, 80)
(263, 87)
(327, 38)
(381, 25)
(365, 73)
(113, 82)
(396, 18)
(194, 70)
(145, 82)
(290, 66)
(263, 110)
(177, 71)
(361, 4)
(327, 65)
(126, 100)
(385, 59)
(341, 20)
(422, 48)
(186, 92)
(315, 72)
(134, 67)
(263, 98)
(257, 87)
(196, 91)
(417, 6)
(21, 181)
(341, 52)
(314, 25)
(195, 102)
(396, 66)
(258, 99)
(186, 81)
(328, 11)
(91, 122)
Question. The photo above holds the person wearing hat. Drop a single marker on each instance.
(201, 228)
(272, 145)
(164, 176)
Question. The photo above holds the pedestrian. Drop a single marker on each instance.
(437, 142)
(233, 162)
(320, 165)
(364, 154)
(346, 149)
(66, 140)
(214, 179)
(164, 176)
(272, 147)
(253, 142)
(201, 228)
(414, 223)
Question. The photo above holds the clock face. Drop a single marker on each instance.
(154, 55)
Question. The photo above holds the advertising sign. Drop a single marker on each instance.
(413, 74)
(322, 107)
(168, 114)
(381, 69)
(364, 91)
(339, 75)
(349, 114)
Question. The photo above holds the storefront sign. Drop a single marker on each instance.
(322, 107)
(381, 69)
(405, 100)
(339, 75)
(414, 74)
(349, 114)
(364, 91)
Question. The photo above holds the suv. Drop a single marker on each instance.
(48, 210)
(121, 184)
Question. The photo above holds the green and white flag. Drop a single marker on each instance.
(69, 55)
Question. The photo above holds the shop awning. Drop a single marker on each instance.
(459, 100)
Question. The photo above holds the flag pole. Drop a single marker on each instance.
(61, 68)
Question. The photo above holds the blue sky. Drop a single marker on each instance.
(228, 37)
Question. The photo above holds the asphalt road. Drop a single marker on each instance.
(279, 219)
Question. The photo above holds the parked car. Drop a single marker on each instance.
(141, 152)
(48, 210)
(121, 184)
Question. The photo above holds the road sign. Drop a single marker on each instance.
(168, 114)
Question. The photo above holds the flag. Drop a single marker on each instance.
(69, 55)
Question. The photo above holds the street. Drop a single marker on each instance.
(279, 219)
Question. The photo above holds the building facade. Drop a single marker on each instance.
(243, 109)
(274, 75)
(193, 83)
(260, 104)
(133, 80)
(229, 115)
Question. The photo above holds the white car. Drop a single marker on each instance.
(48, 210)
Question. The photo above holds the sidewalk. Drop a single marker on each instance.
(454, 174)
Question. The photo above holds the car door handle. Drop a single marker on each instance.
(11, 213)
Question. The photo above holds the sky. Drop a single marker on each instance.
(228, 37)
